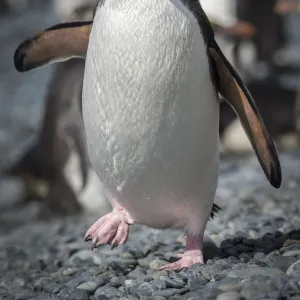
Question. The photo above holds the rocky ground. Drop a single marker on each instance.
(252, 247)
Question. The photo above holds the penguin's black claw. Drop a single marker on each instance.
(94, 243)
(112, 246)
(87, 239)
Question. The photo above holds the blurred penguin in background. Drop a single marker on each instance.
(290, 54)
(264, 76)
(56, 170)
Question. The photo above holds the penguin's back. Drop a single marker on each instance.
(150, 109)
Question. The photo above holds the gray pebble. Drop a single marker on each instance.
(85, 255)
(292, 253)
(239, 266)
(157, 263)
(145, 289)
(129, 283)
(291, 243)
(75, 282)
(164, 293)
(295, 267)
(136, 273)
(144, 262)
(109, 292)
(247, 273)
(101, 297)
(159, 284)
(229, 296)
(69, 271)
(259, 255)
(158, 274)
(254, 290)
(137, 253)
(173, 283)
(42, 284)
(71, 294)
(281, 262)
(115, 282)
(126, 255)
(89, 286)
(229, 284)
(129, 261)
(178, 276)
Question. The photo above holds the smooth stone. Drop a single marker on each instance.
(281, 262)
(126, 255)
(101, 297)
(295, 267)
(89, 286)
(129, 261)
(85, 255)
(158, 274)
(115, 282)
(136, 273)
(69, 271)
(129, 283)
(253, 291)
(180, 277)
(229, 296)
(70, 294)
(259, 255)
(240, 266)
(109, 292)
(292, 253)
(137, 253)
(158, 284)
(99, 269)
(172, 283)
(170, 292)
(144, 262)
(229, 285)
(145, 289)
(290, 242)
(290, 248)
(74, 283)
(157, 263)
(247, 273)
(43, 284)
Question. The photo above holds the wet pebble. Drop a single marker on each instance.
(157, 263)
(108, 292)
(229, 296)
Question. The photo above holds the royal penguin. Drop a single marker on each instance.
(55, 169)
(153, 73)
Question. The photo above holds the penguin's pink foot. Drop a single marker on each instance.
(111, 229)
(193, 254)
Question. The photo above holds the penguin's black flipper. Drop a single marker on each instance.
(54, 44)
(232, 88)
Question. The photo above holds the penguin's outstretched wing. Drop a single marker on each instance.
(54, 44)
(230, 85)
(232, 88)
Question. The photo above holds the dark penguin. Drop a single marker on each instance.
(42, 167)
(151, 113)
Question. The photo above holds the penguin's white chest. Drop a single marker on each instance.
(150, 111)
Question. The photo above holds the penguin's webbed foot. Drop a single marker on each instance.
(111, 229)
(193, 254)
